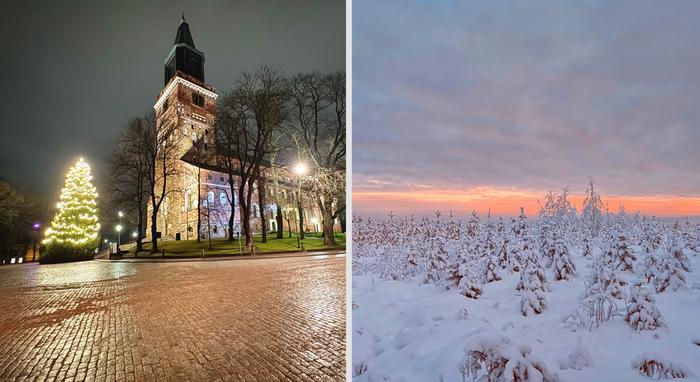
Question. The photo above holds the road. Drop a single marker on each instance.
(251, 320)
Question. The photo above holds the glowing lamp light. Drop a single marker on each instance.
(121, 214)
(300, 169)
(36, 226)
(106, 240)
(134, 234)
(118, 227)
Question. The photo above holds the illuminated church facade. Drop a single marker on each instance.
(186, 107)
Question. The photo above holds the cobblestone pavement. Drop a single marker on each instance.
(256, 320)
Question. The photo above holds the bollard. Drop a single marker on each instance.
(202, 253)
(162, 253)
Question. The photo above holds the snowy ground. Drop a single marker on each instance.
(409, 331)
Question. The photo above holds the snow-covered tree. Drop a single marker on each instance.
(468, 284)
(671, 274)
(642, 313)
(473, 225)
(491, 265)
(587, 248)
(564, 268)
(532, 283)
(437, 261)
(592, 211)
(620, 256)
(530, 267)
(604, 288)
(74, 230)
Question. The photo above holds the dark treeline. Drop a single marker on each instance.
(19, 213)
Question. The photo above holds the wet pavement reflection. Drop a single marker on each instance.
(248, 320)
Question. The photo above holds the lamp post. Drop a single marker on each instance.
(35, 227)
(300, 169)
(119, 237)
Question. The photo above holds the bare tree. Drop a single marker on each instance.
(318, 128)
(160, 146)
(129, 168)
(246, 118)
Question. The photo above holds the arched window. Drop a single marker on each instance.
(284, 194)
(256, 210)
(223, 199)
(210, 197)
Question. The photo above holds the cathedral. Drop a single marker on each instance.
(187, 108)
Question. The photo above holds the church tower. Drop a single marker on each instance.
(186, 108)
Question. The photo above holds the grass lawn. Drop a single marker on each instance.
(190, 248)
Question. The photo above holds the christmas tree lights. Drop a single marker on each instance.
(75, 227)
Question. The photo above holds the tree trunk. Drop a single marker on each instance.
(139, 236)
(342, 223)
(261, 203)
(154, 229)
(301, 221)
(244, 199)
(328, 234)
(233, 206)
(280, 221)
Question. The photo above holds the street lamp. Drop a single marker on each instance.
(134, 234)
(300, 169)
(119, 236)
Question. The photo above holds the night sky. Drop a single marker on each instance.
(462, 105)
(74, 72)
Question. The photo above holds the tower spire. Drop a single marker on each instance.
(182, 20)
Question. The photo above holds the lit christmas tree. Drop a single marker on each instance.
(74, 231)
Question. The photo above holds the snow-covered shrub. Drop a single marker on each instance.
(651, 272)
(468, 285)
(531, 268)
(656, 366)
(676, 252)
(495, 358)
(503, 253)
(491, 262)
(598, 303)
(473, 225)
(578, 359)
(437, 261)
(532, 285)
(620, 256)
(671, 275)
(586, 248)
(463, 314)
(642, 313)
(564, 268)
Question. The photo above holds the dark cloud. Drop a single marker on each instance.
(74, 72)
(532, 95)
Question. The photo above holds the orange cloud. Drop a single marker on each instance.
(507, 202)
